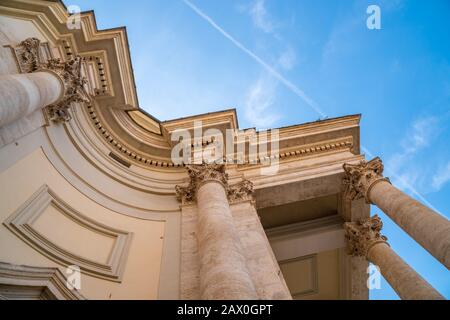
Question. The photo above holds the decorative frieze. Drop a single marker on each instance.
(360, 178)
(201, 173)
(21, 223)
(27, 282)
(30, 59)
(362, 235)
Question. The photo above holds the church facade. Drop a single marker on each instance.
(100, 200)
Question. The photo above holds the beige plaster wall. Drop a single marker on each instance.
(142, 269)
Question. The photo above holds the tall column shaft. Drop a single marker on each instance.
(223, 271)
(21, 94)
(408, 284)
(428, 228)
(364, 239)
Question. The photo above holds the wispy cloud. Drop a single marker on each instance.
(260, 17)
(406, 183)
(401, 167)
(441, 177)
(259, 104)
(288, 84)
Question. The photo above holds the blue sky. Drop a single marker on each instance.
(285, 62)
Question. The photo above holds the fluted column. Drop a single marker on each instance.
(223, 270)
(364, 239)
(427, 227)
(52, 84)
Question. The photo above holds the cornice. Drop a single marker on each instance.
(303, 228)
(139, 142)
(124, 150)
(362, 235)
(21, 224)
(136, 156)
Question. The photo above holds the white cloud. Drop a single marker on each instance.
(441, 177)
(420, 134)
(259, 103)
(260, 16)
(287, 59)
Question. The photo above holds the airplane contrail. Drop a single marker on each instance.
(296, 90)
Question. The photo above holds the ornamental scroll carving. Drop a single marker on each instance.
(241, 191)
(360, 178)
(71, 75)
(201, 173)
(362, 235)
(29, 59)
(28, 55)
(198, 174)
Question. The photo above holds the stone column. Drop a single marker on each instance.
(223, 269)
(52, 84)
(364, 239)
(21, 94)
(427, 227)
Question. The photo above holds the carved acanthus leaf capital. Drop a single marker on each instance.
(186, 195)
(362, 235)
(207, 172)
(199, 174)
(29, 59)
(241, 191)
(359, 178)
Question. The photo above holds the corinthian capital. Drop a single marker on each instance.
(71, 76)
(241, 191)
(199, 174)
(362, 235)
(360, 178)
(207, 172)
